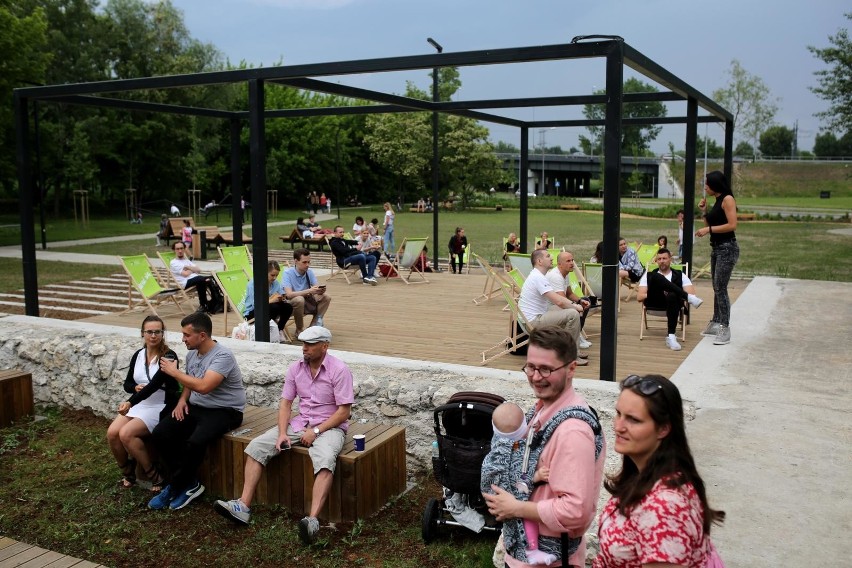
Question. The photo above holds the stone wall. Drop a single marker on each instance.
(80, 365)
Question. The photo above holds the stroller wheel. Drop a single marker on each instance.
(429, 523)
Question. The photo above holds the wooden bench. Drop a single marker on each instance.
(294, 238)
(363, 481)
(746, 216)
(569, 206)
(16, 396)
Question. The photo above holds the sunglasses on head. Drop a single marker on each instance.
(646, 386)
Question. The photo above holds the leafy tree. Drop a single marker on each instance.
(506, 148)
(835, 83)
(777, 141)
(23, 42)
(402, 143)
(714, 150)
(633, 138)
(748, 98)
(744, 149)
(827, 145)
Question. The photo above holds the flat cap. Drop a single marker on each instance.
(315, 334)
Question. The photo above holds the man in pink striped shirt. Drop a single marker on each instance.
(323, 384)
(574, 454)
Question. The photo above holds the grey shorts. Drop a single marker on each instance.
(323, 451)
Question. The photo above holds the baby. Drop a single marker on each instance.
(510, 426)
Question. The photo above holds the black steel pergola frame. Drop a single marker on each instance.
(615, 52)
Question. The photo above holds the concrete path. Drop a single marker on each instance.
(774, 424)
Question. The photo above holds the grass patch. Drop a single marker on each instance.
(49, 272)
(60, 487)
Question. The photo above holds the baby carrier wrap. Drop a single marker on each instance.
(514, 536)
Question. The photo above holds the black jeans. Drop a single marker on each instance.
(206, 288)
(723, 258)
(182, 443)
(665, 295)
(279, 311)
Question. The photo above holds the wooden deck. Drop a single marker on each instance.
(439, 322)
(19, 554)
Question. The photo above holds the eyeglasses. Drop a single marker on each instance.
(153, 332)
(646, 386)
(545, 372)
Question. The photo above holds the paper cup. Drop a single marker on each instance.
(360, 441)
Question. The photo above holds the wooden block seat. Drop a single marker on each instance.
(294, 238)
(363, 483)
(16, 396)
(746, 216)
(570, 206)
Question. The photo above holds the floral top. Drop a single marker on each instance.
(666, 527)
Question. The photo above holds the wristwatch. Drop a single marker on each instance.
(316, 430)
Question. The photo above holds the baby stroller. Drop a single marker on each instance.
(463, 433)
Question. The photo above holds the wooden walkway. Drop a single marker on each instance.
(14, 554)
(439, 322)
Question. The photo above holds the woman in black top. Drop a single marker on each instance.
(154, 394)
(457, 246)
(720, 223)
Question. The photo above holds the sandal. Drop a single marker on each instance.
(156, 479)
(128, 471)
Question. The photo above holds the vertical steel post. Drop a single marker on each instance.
(25, 185)
(236, 181)
(612, 209)
(436, 97)
(729, 151)
(257, 159)
(523, 167)
(689, 179)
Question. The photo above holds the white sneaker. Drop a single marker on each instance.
(694, 300)
(308, 529)
(671, 343)
(584, 343)
(234, 510)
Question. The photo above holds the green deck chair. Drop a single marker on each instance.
(234, 284)
(492, 281)
(406, 258)
(144, 280)
(519, 329)
(236, 257)
(520, 262)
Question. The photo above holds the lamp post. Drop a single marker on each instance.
(543, 132)
(435, 98)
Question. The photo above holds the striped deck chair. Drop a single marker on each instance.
(406, 259)
(519, 329)
(143, 279)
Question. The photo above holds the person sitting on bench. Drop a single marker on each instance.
(323, 384)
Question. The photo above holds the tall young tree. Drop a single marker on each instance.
(835, 83)
(633, 138)
(748, 98)
(777, 141)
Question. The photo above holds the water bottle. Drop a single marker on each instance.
(435, 452)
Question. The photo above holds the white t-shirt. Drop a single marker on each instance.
(560, 283)
(532, 302)
(176, 266)
(389, 219)
(686, 281)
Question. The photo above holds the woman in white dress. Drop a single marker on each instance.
(153, 394)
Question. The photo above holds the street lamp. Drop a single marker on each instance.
(542, 132)
(435, 99)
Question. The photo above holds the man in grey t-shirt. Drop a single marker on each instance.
(211, 404)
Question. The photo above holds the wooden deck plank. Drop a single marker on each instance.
(14, 554)
(439, 322)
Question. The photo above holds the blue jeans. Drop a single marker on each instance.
(723, 258)
(390, 245)
(366, 262)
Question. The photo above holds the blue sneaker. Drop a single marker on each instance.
(186, 496)
(162, 499)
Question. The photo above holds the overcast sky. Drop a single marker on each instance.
(696, 41)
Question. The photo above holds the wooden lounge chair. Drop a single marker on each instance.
(347, 271)
(406, 259)
(492, 282)
(520, 262)
(143, 279)
(166, 258)
(519, 329)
